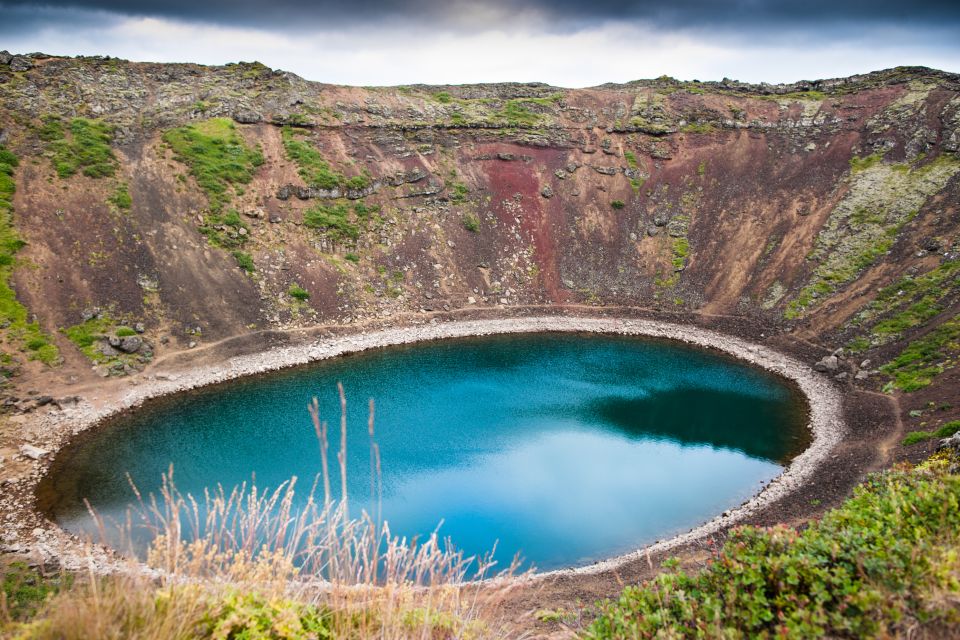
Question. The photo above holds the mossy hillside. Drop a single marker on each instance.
(20, 332)
(339, 221)
(311, 166)
(217, 156)
(864, 225)
(882, 564)
(81, 146)
(906, 304)
(925, 358)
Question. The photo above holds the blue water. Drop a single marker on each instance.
(566, 448)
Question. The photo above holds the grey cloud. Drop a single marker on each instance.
(737, 15)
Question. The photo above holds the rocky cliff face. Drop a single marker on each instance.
(164, 206)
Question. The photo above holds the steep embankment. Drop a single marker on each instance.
(150, 209)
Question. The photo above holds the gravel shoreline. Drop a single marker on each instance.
(27, 532)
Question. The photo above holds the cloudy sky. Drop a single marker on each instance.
(570, 43)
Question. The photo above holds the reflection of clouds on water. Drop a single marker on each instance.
(547, 490)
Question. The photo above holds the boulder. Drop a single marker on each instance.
(546, 192)
(130, 344)
(5, 57)
(828, 363)
(32, 452)
(247, 116)
(21, 63)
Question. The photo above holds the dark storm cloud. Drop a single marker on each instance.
(560, 15)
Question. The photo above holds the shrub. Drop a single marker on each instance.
(617, 204)
(298, 293)
(352, 257)
(471, 223)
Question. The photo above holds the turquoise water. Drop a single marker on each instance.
(566, 448)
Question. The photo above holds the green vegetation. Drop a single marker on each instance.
(443, 97)
(698, 127)
(617, 204)
(88, 337)
(631, 159)
(925, 358)
(298, 293)
(122, 332)
(866, 223)
(244, 260)
(515, 114)
(25, 591)
(858, 164)
(352, 257)
(225, 230)
(84, 147)
(883, 564)
(702, 168)
(471, 222)
(913, 299)
(945, 431)
(459, 192)
(314, 170)
(13, 314)
(816, 96)
(217, 156)
(121, 197)
(333, 219)
(681, 248)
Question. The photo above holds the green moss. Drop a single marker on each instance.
(925, 358)
(121, 197)
(945, 431)
(313, 168)
(217, 156)
(244, 260)
(298, 293)
(681, 247)
(813, 95)
(515, 114)
(698, 127)
(122, 332)
(866, 224)
(858, 164)
(910, 302)
(877, 566)
(333, 220)
(13, 314)
(84, 146)
(223, 229)
(631, 159)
